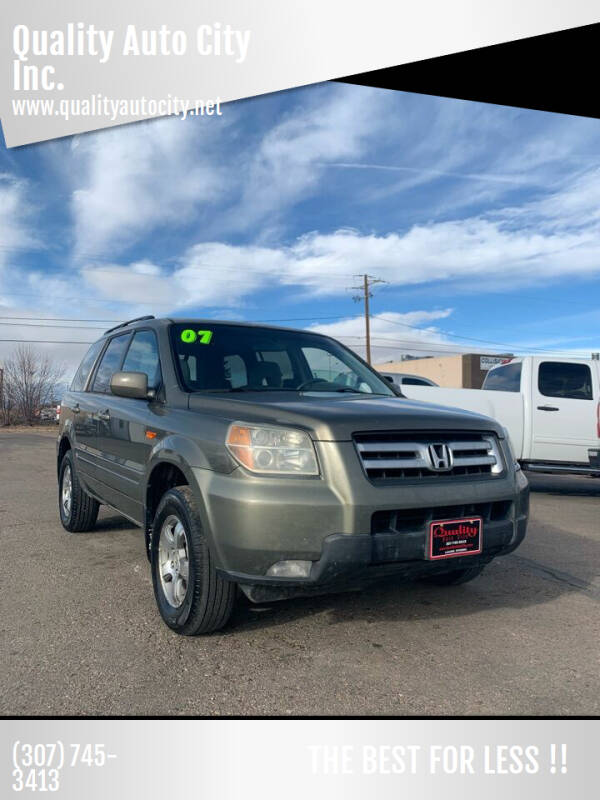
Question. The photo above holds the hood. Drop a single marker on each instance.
(337, 417)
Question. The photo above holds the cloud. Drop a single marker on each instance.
(162, 174)
(139, 178)
(392, 334)
(328, 125)
(140, 285)
(16, 231)
(555, 237)
(288, 197)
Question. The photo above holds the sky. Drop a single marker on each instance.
(481, 221)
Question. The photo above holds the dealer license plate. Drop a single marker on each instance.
(449, 538)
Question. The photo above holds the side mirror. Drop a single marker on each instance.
(388, 378)
(130, 384)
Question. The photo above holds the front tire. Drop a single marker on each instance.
(192, 598)
(455, 577)
(78, 511)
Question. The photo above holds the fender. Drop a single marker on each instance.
(183, 450)
(59, 442)
(183, 453)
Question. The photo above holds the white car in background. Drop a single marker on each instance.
(401, 379)
(549, 406)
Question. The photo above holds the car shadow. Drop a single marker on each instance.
(115, 522)
(505, 583)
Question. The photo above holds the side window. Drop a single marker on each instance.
(85, 367)
(110, 363)
(327, 367)
(504, 379)
(142, 356)
(414, 382)
(282, 359)
(564, 379)
(235, 371)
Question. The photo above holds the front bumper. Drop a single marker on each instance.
(348, 561)
(253, 522)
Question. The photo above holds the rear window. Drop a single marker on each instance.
(564, 379)
(142, 356)
(504, 379)
(86, 366)
(110, 363)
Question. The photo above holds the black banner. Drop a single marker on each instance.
(554, 72)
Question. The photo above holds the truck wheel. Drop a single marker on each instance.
(455, 577)
(191, 597)
(78, 511)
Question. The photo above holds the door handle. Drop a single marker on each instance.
(76, 409)
(104, 415)
(548, 408)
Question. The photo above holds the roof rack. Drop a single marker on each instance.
(129, 322)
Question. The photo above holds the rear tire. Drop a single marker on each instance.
(455, 577)
(78, 511)
(192, 598)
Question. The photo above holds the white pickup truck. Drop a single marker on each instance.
(549, 406)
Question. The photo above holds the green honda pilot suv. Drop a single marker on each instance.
(277, 463)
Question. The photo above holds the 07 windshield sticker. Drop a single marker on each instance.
(190, 336)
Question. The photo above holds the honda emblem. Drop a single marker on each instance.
(440, 457)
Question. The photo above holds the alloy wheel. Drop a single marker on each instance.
(66, 495)
(173, 560)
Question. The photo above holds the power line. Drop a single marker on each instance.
(466, 338)
(44, 341)
(421, 345)
(61, 319)
(67, 327)
(28, 324)
(407, 344)
(503, 347)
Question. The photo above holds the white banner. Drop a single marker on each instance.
(69, 66)
(297, 759)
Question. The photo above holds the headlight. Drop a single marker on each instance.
(273, 451)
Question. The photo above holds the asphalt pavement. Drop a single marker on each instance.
(80, 635)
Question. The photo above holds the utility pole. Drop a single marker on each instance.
(365, 290)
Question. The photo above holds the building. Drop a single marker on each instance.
(467, 370)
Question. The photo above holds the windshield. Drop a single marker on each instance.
(236, 358)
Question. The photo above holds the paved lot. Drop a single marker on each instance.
(79, 633)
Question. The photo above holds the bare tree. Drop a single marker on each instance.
(6, 400)
(31, 381)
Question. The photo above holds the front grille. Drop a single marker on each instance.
(407, 520)
(430, 455)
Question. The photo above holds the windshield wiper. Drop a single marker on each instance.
(226, 390)
(238, 389)
(342, 389)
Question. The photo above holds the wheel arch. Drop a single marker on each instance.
(64, 445)
(164, 473)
